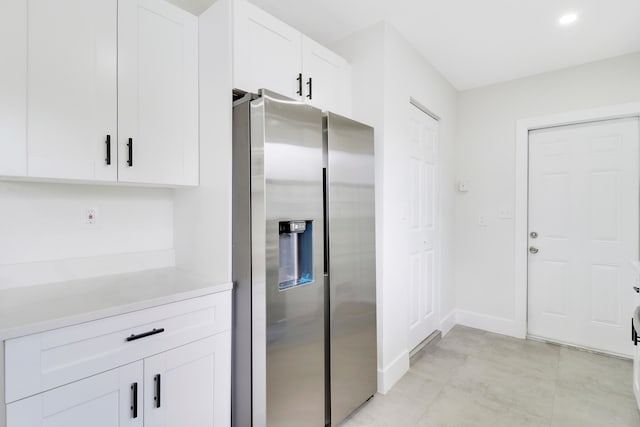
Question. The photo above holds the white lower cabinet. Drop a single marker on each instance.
(104, 400)
(167, 386)
(186, 386)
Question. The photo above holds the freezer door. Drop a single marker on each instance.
(287, 263)
(352, 283)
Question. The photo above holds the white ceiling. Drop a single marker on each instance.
(479, 42)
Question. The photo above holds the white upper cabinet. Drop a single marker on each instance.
(71, 100)
(327, 77)
(81, 77)
(157, 93)
(272, 55)
(13, 88)
(266, 52)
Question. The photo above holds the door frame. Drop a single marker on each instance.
(521, 211)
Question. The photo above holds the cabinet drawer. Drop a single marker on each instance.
(39, 362)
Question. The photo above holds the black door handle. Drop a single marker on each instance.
(310, 85)
(299, 80)
(108, 143)
(133, 337)
(156, 398)
(134, 400)
(130, 146)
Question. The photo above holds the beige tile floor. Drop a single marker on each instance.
(476, 378)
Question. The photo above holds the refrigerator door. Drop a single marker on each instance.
(287, 234)
(352, 279)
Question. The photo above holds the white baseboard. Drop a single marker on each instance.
(37, 273)
(393, 372)
(448, 322)
(498, 325)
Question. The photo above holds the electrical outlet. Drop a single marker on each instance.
(90, 216)
(505, 213)
(482, 221)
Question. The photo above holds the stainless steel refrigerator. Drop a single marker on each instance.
(303, 264)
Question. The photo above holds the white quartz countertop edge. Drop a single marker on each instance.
(22, 310)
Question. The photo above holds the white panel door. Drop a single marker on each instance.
(266, 52)
(190, 385)
(583, 205)
(157, 93)
(104, 400)
(326, 78)
(71, 88)
(423, 226)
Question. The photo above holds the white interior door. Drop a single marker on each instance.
(583, 205)
(423, 225)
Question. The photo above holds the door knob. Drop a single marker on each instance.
(533, 250)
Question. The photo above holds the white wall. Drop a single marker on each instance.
(387, 71)
(485, 157)
(44, 238)
(203, 214)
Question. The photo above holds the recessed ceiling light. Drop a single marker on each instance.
(568, 18)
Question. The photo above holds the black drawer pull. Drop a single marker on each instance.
(130, 146)
(108, 142)
(133, 337)
(156, 398)
(310, 86)
(134, 401)
(299, 79)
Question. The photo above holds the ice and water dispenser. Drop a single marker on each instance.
(296, 254)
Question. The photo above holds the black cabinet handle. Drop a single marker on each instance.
(310, 85)
(133, 337)
(134, 400)
(108, 143)
(637, 289)
(156, 398)
(130, 146)
(299, 80)
(634, 334)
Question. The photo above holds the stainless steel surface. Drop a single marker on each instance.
(533, 235)
(286, 157)
(533, 250)
(281, 332)
(241, 266)
(352, 289)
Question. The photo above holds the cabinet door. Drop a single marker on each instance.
(71, 88)
(157, 93)
(190, 385)
(104, 400)
(330, 74)
(266, 52)
(13, 88)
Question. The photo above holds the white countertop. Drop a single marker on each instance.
(34, 309)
